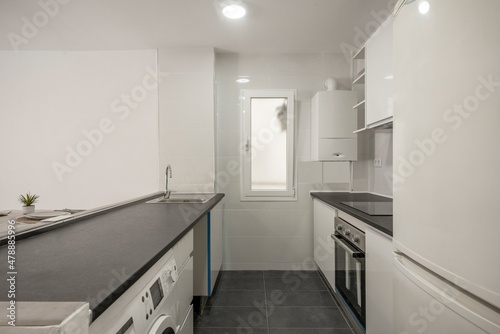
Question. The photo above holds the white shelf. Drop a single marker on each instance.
(360, 130)
(360, 79)
(360, 54)
(360, 105)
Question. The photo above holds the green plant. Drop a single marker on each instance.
(28, 199)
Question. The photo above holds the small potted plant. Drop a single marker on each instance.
(28, 202)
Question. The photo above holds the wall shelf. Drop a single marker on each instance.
(360, 54)
(360, 79)
(360, 105)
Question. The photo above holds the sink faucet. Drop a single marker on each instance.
(167, 192)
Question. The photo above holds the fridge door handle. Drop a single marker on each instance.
(446, 293)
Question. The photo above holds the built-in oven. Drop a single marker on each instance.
(350, 270)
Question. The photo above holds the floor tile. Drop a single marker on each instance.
(295, 282)
(243, 283)
(242, 273)
(236, 298)
(280, 273)
(300, 298)
(309, 331)
(235, 330)
(231, 317)
(306, 317)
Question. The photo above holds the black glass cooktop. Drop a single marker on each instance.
(372, 208)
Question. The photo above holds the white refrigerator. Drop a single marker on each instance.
(447, 166)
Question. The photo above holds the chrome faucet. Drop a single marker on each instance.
(167, 192)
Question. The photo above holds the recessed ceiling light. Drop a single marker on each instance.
(423, 7)
(242, 80)
(234, 11)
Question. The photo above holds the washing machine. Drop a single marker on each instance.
(158, 303)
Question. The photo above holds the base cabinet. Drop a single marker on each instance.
(207, 254)
(378, 282)
(324, 247)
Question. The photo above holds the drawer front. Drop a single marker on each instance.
(338, 150)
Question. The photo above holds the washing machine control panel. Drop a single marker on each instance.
(159, 288)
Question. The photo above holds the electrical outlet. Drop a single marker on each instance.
(377, 162)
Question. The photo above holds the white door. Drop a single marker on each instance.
(425, 304)
(446, 156)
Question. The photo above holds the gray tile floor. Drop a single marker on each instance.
(271, 302)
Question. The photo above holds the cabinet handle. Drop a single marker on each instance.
(353, 252)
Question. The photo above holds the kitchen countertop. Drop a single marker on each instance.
(96, 258)
(381, 223)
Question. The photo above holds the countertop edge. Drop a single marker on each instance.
(353, 212)
(102, 306)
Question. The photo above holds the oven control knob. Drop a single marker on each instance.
(339, 228)
(355, 238)
(348, 233)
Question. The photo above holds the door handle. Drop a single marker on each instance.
(348, 248)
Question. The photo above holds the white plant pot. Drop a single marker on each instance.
(28, 209)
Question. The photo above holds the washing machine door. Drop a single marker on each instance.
(165, 324)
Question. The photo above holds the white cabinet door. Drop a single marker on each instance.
(332, 125)
(215, 247)
(379, 75)
(324, 248)
(378, 282)
(207, 254)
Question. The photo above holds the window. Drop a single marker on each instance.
(268, 150)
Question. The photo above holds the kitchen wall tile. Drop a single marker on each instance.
(191, 170)
(303, 115)
(187, 142)
(228, 90)
(229, 143)
(295, 64)
(228, 117)
(267, 249)
(186, 114)
(228, 169)
(234, 64)
(336, 172)
(268, 223)
(309, 171)
(306, 86)
(186, 60)
(187, 87)
(337, 65)
(303, 144)
(381, 176)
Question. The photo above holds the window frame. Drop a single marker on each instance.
(247, 194)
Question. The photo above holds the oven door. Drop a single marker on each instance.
(350, 277)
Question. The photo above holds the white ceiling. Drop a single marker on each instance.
(270, 26)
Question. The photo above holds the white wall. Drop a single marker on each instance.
(186, 118)
(49, 99)
(374, 144)
(270, 235)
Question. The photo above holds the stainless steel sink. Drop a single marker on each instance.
(176, 198)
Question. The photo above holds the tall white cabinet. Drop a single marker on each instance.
(379, 76)
(378, 282)
(373, 77)
(324, 247)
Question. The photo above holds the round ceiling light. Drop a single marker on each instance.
(423, 7)
(234, 11)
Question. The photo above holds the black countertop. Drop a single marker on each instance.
(98, 257)
(381, 223)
